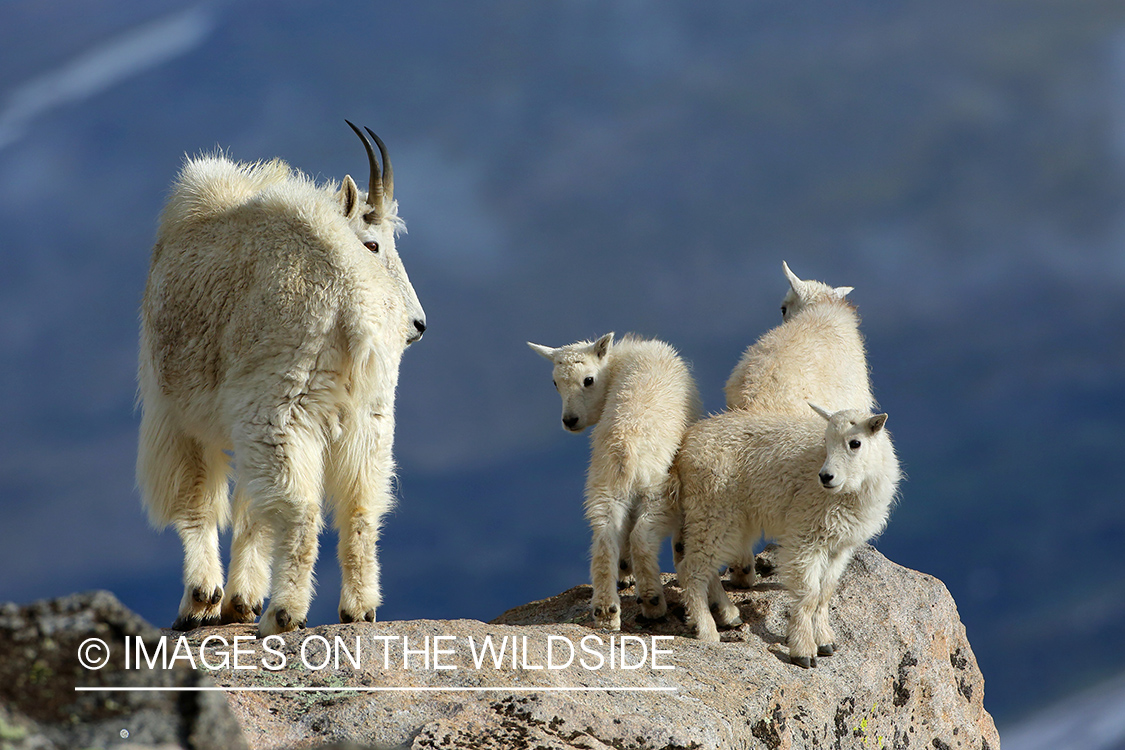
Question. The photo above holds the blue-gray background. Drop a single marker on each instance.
(566, 169)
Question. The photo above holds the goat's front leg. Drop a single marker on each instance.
(359, 481)
(802, 571)
(830, 579)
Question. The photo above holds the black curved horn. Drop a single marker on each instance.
(375, 182)
(388, 172)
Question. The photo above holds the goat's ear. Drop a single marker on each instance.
(842, 291)
(601, 346)
(349, 196)
(543, 351)
(820, 411)
(875, 423)
(794, 282)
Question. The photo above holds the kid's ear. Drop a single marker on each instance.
(875, 423)
(545, 352)
(842, 291)
(601, 346)
(348, 196)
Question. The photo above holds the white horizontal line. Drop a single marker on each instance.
(203, 689)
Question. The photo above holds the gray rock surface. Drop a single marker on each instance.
(39, 671)
(903, 676)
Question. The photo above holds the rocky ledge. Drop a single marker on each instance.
(538, 676)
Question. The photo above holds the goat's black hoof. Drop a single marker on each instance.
(203, 597)
(184, 624)
(804, 662)
(826, 650)
(283, 619)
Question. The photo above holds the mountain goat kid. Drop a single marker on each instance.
(272, 326)
(819, 490)
(816, 354)
(640, 397)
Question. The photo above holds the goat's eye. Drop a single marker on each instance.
(555, 384)
(784, 309)
(854, 444)
(589, 381)
(372, 246)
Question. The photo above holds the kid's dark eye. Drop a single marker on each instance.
(555, 384)
(588, 381)
(854, 444)
(372, 246)
(783, 309)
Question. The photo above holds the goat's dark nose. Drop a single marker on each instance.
(570, 422)
(420, 326)
(826, 478)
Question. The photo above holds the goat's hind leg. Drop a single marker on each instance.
(184, 484)
(653, 525)
(625, 555)
(284, 474)
(251, 551)
(607, 516)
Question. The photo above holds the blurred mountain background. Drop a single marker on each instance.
(567, 169)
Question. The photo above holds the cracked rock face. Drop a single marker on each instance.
(903, 676)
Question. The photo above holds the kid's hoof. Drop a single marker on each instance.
(622, 585)
(283, 619)
(368, 616)
(607, 618)
(653, 608)
(804, 662)
(742, 577)
(827, 650)
(624, 565)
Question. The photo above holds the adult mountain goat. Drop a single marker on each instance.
(819, 489)
(272, 325)
(639, 396)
